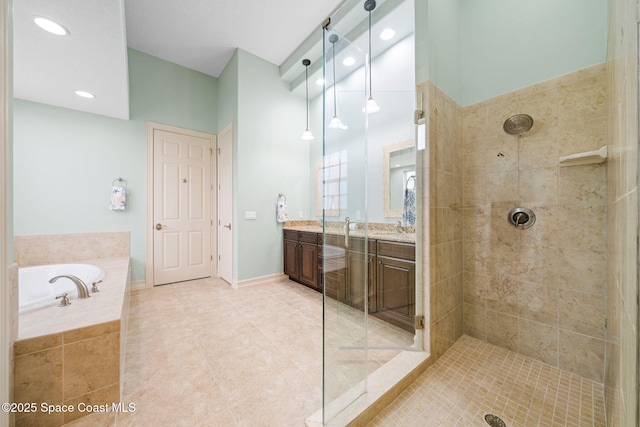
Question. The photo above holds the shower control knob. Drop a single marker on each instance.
(521, 217)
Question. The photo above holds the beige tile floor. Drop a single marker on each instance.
(202, 354)
(474, 378)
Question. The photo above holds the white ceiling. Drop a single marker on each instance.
(92, 57)
(203, 34)
(198, 34)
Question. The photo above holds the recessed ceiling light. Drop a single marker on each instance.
(85, 94)
(320, 82)
(348, 61)
(50, 26)
(387, 34)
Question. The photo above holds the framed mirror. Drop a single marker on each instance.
(398, 175)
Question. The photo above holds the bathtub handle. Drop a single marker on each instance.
(65, 300)
(94, 287)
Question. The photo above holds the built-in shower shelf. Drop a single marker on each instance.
(586, 158)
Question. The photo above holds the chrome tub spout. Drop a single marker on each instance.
(83, 290)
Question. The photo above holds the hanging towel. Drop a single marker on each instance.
(118, 198)
(281, 211)
(409, 213)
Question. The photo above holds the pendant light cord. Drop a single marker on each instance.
(370, 55)
(306, 79)
(335, 108)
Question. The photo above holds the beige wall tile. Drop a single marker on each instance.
(502, 330)
(104, 396)
(582, 185)
(92, 331)
(538, 186)
(38, 377)
(581, 355)
(582, 270)
(538, 302)
(582, 312)
(539, 341)
(32, 345)
(90, 365)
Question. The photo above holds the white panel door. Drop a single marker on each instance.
(225, 204)
(182, 207)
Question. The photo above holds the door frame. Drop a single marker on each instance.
(151, 127)
(228, 129)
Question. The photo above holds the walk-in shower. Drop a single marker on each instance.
(368, 262)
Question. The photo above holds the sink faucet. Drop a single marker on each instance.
(83, 291)
(399, 227)
(347, 221)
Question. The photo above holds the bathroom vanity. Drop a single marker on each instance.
(338, 265)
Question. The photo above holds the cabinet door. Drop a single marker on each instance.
(357, 265)
(291, 265)
(308, 273)
(396, 291)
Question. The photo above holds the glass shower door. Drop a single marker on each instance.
(345, 242)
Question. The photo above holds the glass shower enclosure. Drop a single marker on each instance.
(357, 337)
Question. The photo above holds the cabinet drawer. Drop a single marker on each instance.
(334, 240)
(308, 237)
(290, 235)
(357, 244)
(397, 250)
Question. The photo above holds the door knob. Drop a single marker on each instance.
(160, 226)
(227, 226)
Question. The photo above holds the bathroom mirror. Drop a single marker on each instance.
(399, 171)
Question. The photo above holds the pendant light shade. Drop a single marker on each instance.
(372, 106)
(307, 135)
(335, 122)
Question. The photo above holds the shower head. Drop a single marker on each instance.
(518, 124)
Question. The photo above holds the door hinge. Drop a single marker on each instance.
(211, 222)
(211, 151)
(218, 151)
(211, 257)
(219, 258)
(418, 322)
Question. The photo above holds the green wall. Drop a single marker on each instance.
(271, 159)
(511, 44)
(475, 50)
(65, 160)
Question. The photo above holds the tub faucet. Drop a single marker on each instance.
(83, 291)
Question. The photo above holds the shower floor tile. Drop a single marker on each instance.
(474, 378)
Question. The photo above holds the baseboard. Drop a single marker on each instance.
(279, 277)
(138, 285)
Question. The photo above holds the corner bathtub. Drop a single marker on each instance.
(36, 292)
(82, 345)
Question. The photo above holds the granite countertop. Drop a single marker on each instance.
(377, 231)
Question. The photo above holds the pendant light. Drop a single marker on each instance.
(372, 105)
(335, 122)
(307, 135)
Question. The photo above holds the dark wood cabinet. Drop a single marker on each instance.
(361, 273)
(396, 284)
(301, 257)
(387, 267)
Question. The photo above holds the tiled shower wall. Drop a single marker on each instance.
(622, 330)
(442, 175)
(540, 291)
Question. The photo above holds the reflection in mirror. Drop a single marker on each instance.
(399, 171)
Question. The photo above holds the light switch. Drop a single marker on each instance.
(249, 215)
